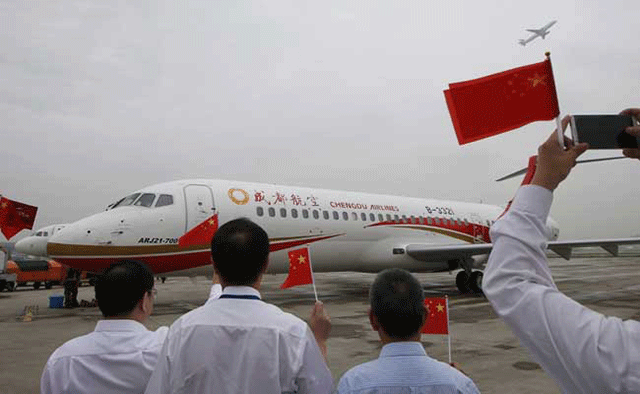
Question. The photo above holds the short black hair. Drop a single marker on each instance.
(121, 286)
(397, 299)
(239, 251)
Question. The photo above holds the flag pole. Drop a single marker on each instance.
(559, 130)
(448, 329)
(313, 277)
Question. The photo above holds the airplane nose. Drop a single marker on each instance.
(32, 246)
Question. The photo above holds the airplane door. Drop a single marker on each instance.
(199, 204)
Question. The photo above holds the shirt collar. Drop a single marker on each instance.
(409, 348)
(119, 325)
(241, 290)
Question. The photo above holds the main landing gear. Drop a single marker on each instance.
(469, 282)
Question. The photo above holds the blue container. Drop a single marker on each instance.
(56, 301)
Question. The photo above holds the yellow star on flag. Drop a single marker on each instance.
(537, 79)
(301, 259)
(440, 308)
(211, 222)
(4, 205)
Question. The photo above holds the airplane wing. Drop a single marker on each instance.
(536, 31)
(564, 248)
(424, 252)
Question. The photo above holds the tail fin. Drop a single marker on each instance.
(531, 170)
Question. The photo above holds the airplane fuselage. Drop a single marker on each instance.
(345, 231)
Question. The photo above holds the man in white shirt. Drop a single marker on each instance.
(238, 343)
(584, 351)
(398, 313)
(119, 356)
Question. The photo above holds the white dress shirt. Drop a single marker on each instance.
(584, 351)
(236, 346)
(117, 357)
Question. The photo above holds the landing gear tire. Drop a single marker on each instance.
(475, 281)
(11, 286)
(48, 285)
(462, 281)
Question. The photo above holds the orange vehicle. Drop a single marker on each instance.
(36, 272)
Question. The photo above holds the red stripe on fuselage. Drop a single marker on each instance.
(157, 264)
(473, 230)
(171, 262)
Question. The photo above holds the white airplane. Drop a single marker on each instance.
(36, 243)
(345, 231)
(541, 32)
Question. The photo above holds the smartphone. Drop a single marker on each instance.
(603, 131)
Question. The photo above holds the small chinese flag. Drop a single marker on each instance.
(438, 319)
(200, 234)
(299, 269)
(497, 103)
(15, 216)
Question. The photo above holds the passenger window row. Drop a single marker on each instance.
(283, 212)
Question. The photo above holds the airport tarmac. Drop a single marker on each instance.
(483, 346)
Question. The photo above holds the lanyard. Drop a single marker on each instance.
(241, 296)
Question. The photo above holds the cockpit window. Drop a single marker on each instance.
(39, 234)
(145, 200)
(126, 201)
(164, 199)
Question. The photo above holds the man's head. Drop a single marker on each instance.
(397, 304)
(124, 290)
(240, 251)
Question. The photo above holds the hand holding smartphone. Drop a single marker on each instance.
(604, 131)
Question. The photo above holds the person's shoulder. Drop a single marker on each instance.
(152, 339)
(192, 317)
(77, 346)
(358, 375)
(453, 375)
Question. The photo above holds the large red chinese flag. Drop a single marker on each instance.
(438, 319)
(299, 269)
(15, 216)
(501, 102)
(200, 234)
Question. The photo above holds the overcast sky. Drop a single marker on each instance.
(99, 98)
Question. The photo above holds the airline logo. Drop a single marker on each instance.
(238, 196)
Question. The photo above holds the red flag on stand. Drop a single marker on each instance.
(299, 269)
(15, 216)
(438, 319)
(497, 103)
(200, 234)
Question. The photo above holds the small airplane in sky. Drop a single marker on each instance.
(541, 32)
(344, 231)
